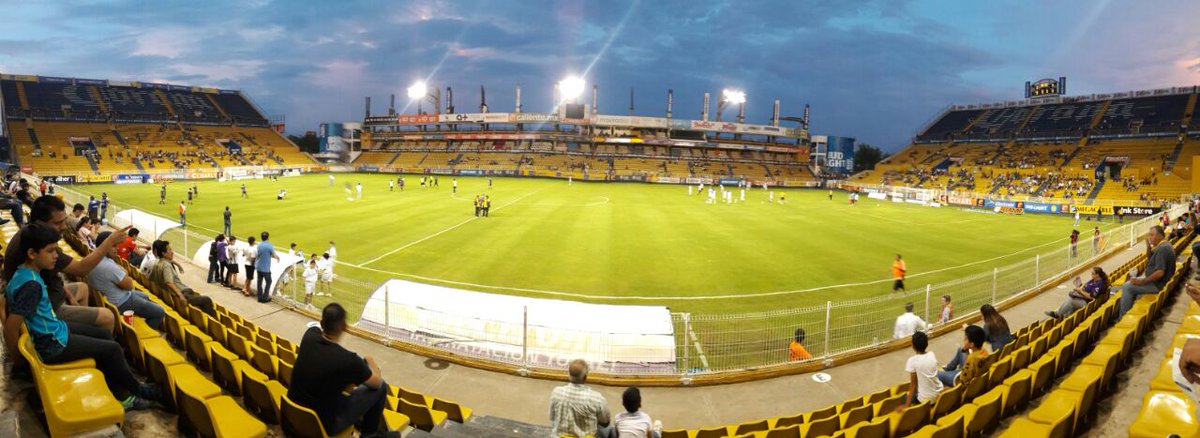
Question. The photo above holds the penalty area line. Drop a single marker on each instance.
(452, 227)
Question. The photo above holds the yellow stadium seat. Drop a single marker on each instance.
(712, 432)
(1179, 340)
(286, 356)
(1121, 338)
(75, 400)
(411, 396)
(228, 369)
(173, 376)
(421, 417)
(1020, 358)
(1043, 373)
(299, 421)
(878, 396)
(1165, 413)
(1063, 354)
(238, 345)
(395, 421)
(983, 413)
(264, 361)
(823, 413)
(1164, 380)
(677, 433)
(900, 389)
(878, 428)
(847, 405)
(1026, 428)
(822, 427)
(174, 325)
(911, 419)
(1103, 359)
(1079, 403)
(857, 415)
(999, 371)
(952, 427)
(890, 404)
(219, 416)
(974, 388)
(285, 373)
(262, 396)
(791, 420)
(196, 345)
(785, 432)
(1039, 346)
(1016, 391)
(459, 414)
(948, 400)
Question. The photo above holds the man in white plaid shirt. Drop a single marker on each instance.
(578, 410)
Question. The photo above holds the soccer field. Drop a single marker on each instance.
(617, 243)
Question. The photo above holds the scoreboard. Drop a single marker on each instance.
(1046, 88)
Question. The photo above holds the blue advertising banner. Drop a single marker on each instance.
(993, 203)
(131, 178)
(470, 172)
(1038, 207)
(729, 181)
(368, 168)
(90, 82)
(54, 80)
(839, 155)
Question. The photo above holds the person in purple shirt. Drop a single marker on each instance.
(1081, 295)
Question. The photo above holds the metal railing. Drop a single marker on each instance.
(704, 342)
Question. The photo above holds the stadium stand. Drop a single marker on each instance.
(63, 126)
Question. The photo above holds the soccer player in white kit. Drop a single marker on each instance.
(331, 180)
(743, 195)
(358, 188)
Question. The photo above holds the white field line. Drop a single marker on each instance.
(452, 227)
(688, 298)
(699, 351)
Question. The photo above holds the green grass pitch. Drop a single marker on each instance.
(617, 243)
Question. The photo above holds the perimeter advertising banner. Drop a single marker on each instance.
(840, 154)
(1089, 209)
(130, 178)
(1038, 207)
(1138, 211)
(60, 179)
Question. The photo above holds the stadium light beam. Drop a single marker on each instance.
(571, 87)
(417, 90)
(733, 96)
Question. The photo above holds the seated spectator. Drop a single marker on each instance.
(1160, 266)
(796, 350)
(111, 280)
(947, 310)
(578, 410)
(1082, 294)
(130, 250)
(162, 275)
(968, 360)
(69, 301)
(633, 423)
(922, 368)
(324, 369)
(75, 216)
(85, 232)
(995, 328)
(908, 323)
(54, 340)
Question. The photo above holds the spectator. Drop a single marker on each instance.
(111, 280)
(324, 369)
(216, 257)
(633, 423)
(1082, 294)
(908, 323)
(262, 261)
(947, 310)
(922, 370)
(163, 276)
(898, 272)
(796, 350)
(84, 230)
(54, 340)
(69, 301)
(968, 360)
(130, 250)
(578, 410)
(1160, 266)
(995, 327)
(76, 215)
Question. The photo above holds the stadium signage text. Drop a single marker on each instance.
(1138, 211)
(416, 119)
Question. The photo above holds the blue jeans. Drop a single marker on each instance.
(141, 306)
(1129, 295)
(950, 372)
(264, 291)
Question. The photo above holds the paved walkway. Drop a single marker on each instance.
(526, 399)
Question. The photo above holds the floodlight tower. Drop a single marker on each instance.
(732, 97)
(419, 92)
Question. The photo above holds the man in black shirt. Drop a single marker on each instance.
(324, 368)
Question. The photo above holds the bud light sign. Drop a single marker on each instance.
(839, 155)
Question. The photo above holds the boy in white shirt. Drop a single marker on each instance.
(633, 423)
(922, 369)
(310, 280)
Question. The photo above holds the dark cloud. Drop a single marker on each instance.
(873, 69)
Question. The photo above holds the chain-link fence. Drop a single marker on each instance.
(703, 343)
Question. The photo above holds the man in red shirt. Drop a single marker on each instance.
(129, 249)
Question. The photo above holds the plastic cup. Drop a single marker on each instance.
(128, 314)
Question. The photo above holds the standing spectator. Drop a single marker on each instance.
(182, 214)
(968, 360)
(310, 279)
(908, 323)
(103, 207)
(1096, 241)
(633, 423)
(262, 260)
(249, 253)
(1082, 294)
(578, 410)
(1160, 266)
(231, 263)
(947, 310)
(117, 286)
(995, 327)
(162, 275)
(324, 369)
(214, 265)
(68, 301)
(228, 221)
(1074, 243)
(56, 341)
(922, 370)
(796, 350)
(93, 208)
(898, 271)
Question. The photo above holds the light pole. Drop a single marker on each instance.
(735, 97)
(420, 92)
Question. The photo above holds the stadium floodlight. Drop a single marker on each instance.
(417, 90)
(733, 96)
(571, 87)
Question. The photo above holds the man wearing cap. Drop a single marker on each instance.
(111, 280)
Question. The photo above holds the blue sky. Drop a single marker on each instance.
(875, 70)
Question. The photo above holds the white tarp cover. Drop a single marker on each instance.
(491, 325)
(150, 226)
(278, 267)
